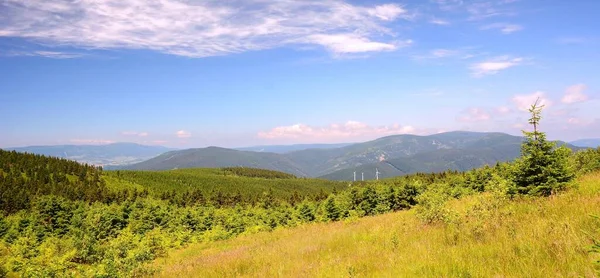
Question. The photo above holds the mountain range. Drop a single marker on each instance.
(587, 143)
(101, 155)
(392, 156)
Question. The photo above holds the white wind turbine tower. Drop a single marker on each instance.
(376, 174)
(363, 176)
(354, 175)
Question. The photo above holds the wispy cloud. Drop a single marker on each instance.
(505, 28)
(203, 28)
(183, 134)
(442, 53)
(134, 133)
(333, 132)
(92, 141)
(524, 102)
(46, 54)
(479, 9)
(352, 43)
(438, 21)
(474, 114)
(575, 94)
(494, 65)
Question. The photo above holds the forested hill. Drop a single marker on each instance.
(23, 177)
(396, 154)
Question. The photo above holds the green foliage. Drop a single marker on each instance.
(258, 173)
(432, 206)
(24, 177)
(248, 184)
(586, 161)
(332, 212)
(542, 168)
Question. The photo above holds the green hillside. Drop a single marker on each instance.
(214, 157)
(487, 236)
(432, 161)
(245, 181)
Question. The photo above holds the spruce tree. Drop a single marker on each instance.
(332, 212)
(542, 168)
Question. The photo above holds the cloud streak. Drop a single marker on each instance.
(494, 65)
(505, 28)
(134, 133)
(348, 131)
(183, 134)
(475, 114)
(203, 28)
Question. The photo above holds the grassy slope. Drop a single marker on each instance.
(525, 238)
(208, 180)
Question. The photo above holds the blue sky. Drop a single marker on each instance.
(186, 73)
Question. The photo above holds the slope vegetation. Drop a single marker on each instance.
(245, 181)
(487, 238)
(215, 157)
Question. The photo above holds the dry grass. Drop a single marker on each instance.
(525, 238)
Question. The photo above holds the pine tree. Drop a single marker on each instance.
(542, 168)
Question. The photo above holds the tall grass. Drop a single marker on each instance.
(486, 237)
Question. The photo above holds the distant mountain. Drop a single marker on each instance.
(588, 143)
(392, 156)
(323, 162)
(212, 157)
(101, 155)
(432, 161)
(291, 148)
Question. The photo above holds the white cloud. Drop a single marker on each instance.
(202, 28)
(494, 66)
(347, 131)
(505, 28)
(524, 102)
(438, 21)
(575, 94)
(386, 12)
(475, 114)
(92, 141)
(351, 43)
(183, 134)
(134, 133)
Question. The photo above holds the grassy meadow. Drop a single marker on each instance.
(486, 236)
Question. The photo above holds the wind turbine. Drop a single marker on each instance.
(354, 175)
(363, 176)
(376, 173)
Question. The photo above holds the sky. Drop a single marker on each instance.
(191, 73)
